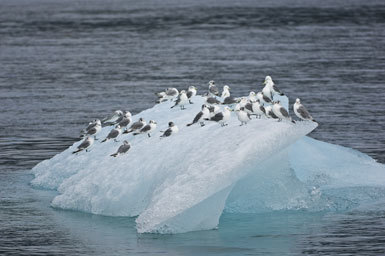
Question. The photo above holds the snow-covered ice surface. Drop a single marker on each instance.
(184, 182)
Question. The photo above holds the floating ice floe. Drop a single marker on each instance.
(184, 182)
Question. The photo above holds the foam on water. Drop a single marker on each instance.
(184, 182)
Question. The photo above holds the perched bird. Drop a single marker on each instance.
(258, 109)
(269, 112)
(252, 96)
(114, 133)
(301, 112)
(126, 120)
(281, 112)
(213, 89)
(147, 129)
(172, 129)
(263, 99)
(243, 116)
(225, 92)
(94, 130)
(87, 142)
(122, 149)
(191, 92)
(274, 89)
(168, 94)
(136, 126)
(114, 119)
(182, 100)
(222, 117)
(201, 116)
(92, 125)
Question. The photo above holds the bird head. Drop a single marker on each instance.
(170, 124)
(298, 101)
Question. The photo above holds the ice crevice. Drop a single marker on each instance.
(184, 182)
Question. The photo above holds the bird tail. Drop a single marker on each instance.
(77, 151)
(127, 131)
(135, 133)
(314, 120)
(189, 124)
(114, 155)
(104, 140)
(281, 94)
(173, 106)
(293, 121)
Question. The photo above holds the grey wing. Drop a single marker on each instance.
(249, 107)
(90, 126)
(284, 112)
(303, 112)
(167, 132)
(124, 122)
(229, 100)
(177, 101)
(276, 89)
(271, 113)
(124, 148)
(146, 128)
(189, 94)
(212, 100)
(262, 109)
(91, 131)
(267, 99)
(214, 90)
(248, 115)
(113, 134)
(171, 92)
(197, 117)
(84, 144)
(136, 125)
(217, 117)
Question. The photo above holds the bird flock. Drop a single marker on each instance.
(260, 105)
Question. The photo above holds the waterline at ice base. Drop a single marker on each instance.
(185, 182)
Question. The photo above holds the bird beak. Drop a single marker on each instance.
(264, 82)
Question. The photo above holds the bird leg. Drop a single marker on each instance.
(190, 102)
(202, 124)
(148, 135)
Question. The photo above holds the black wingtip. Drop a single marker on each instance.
(188, 124)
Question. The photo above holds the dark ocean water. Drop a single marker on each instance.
(63, 63)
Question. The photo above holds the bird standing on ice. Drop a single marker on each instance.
(225, 92)
(126, 120)
(258, 109)
(281, 112)
(114, 119)
(201, 116)
(301, 112)
(95, 129)
(213, 88)
(114, 133)
(263, 99)
(242, 103)
(212, 100)
(136, 126)
(182, 100)
(147, 129)
(168, 94)
(243, 116)
(84, 145)
(172, 129)
(191, 92)
(222, 117)
(122, 149)
(269, 112)
(270, 89)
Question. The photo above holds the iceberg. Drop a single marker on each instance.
(184, 182)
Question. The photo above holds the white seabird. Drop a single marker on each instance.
(212, 100)
(87, 142)
(136, 126)
(263, 99)
(169, 94)
(94, 130)
(222, 117)
(91, 125)
(281, 112)
(225, 92)
(191, 92)
(147, 129)
(301, 112)
(114, 133)
(270, 88)
(172, 129)
(242, 103)
(243, 116)
(122, 149)
(118, 114)
(182, 100)
(201, 116)
(258, 109)
(126, 120)
(213, 89)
